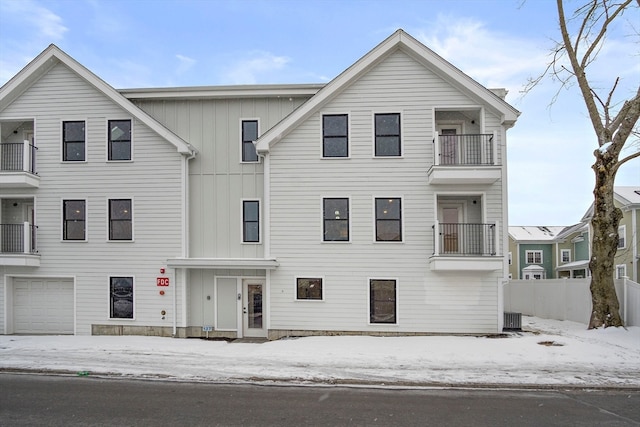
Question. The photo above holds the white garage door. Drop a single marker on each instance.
(42, 306)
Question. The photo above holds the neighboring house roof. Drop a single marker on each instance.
(398, 40)
(575, 265)
(52, 56)
(572, 229)
(627, 196)
(535, 233)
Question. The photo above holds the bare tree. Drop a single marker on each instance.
(614, 121)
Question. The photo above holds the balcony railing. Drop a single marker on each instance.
(465, 150)
(18, 157)
(458, 239)
(18, 238)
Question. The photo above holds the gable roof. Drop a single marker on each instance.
(52, 56)
(627, 196)
(398, 40)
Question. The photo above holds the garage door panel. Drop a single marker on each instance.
(43, 306)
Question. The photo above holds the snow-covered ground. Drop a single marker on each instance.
(546, 353)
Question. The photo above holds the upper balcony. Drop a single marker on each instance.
(18, 245)
(464, 159)
(18, 155)
(465, 247)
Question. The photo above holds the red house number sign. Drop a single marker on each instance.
(162, 281)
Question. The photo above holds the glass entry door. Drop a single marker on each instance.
(253, 308)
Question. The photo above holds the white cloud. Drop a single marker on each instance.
(185, 63)
(258, 67)
(39, 19)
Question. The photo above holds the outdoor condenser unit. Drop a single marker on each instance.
(512, 322)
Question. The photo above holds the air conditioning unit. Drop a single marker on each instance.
(512, 322)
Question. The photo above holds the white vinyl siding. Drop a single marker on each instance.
(427, 301)
(154, 181)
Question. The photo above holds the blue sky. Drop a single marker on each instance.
(500, 43)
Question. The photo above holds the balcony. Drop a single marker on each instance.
(465, 247)
(18, 165)
(18, 245)
(465, 159)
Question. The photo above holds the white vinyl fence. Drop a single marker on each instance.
(567, 299)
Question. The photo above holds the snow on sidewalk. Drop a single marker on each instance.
(547, 352)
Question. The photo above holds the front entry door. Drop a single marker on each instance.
(253, 310)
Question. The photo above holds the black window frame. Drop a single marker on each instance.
(309, 288)
(250, 222)
(111, 141)
(67, 140)
(330, 136)
(126, 219)
(330, 218)
(383, 216)
(119, 293)
(378, 298)
(247, 141)
(69, 219)
(381, 136)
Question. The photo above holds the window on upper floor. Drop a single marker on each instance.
(387, 135)
(119, 139)
(73, 141)
(565, 255)
(388, 212)
(309, 288)
(121, 297)
(74, 220)
(534, 257)
(622, 230)
(251, 221)
(335, 135)
(249, 134)
(382, 301)
(335, 214)
(120, 219)
(621, 271)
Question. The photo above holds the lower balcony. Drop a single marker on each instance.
(18, 245)
(465, 247)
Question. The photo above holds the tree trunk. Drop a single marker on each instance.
(606, 218)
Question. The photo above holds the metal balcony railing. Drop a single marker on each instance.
(18, 238)
(459, 239)
(18, 156)
(465, 149)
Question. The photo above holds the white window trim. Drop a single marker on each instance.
(622, 267)
(330, 242)
(402, 220)
(86, 220)
(86, 142)
(373, 134)
(251, 199)
(133, 224)
(622, 232)
(526, 256)
(118, 319)
(326, 113)
(247, 119)
(562, 252)
(397, 323)
(309, 276)
(106, 136)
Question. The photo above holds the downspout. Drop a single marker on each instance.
(267, 234)
(505, 224)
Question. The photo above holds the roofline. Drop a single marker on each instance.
(53, 55)
(222, 92)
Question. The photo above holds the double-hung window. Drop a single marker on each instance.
(120, 219)
(335, 135)
(74, 220)
(335, 219)
(382, 301)
(565, 255)
(388, 213)
(249, 134)
(119, 136)
(251, 221)
(387, 135)
(622, 230)
(534, 257)
(309, 288)
(73, 141)
(121, 297)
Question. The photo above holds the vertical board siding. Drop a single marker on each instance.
(426, 301)
(152, 180)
